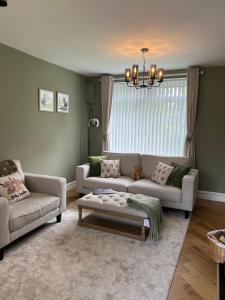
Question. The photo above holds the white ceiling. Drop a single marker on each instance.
(104, 36)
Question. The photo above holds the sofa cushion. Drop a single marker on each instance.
(149, 188)
(177, 175)
(95, 164)
(127, 161)
(161, 173)
(11, 184)
(110, 168)
(26, 211)
(149, 162)
(119, 184)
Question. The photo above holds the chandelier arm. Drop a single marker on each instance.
(156, 86)
(132, 86)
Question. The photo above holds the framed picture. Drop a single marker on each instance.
(46, 100)
(62, 102)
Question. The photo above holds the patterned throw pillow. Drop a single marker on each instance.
(161, 173)
(110, 168)
(11, 184)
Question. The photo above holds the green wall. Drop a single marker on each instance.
(210, 130)
(95, 134)
(54, 143)
(46, 143)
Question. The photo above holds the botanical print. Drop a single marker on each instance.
(62, 102)
(46, 100)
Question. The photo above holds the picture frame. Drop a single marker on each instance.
(62, 102)
(46, 100)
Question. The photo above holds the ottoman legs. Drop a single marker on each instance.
(80, 214)
(143, 231)
(139, 233)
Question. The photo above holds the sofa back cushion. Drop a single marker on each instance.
(149, 162)
(127, 161)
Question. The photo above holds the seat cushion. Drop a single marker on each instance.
(127, 161)
(119, 184)
(26, 211)
(149, 162)
(149, 188)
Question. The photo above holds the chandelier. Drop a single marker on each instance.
(153, 79)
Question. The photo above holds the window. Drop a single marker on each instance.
(149, 121)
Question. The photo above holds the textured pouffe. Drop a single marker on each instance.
(114, 205)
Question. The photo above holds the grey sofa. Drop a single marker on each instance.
(170, 196)
(47, 200)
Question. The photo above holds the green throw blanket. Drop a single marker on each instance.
(153, 209)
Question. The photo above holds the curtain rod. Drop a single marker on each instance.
(201, 72)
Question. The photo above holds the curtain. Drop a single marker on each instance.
(192, 98)
(106, 96)
(149, 121)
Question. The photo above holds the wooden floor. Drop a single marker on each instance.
(195, 276)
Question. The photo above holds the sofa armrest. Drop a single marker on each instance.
(190, 189)
(48, 185)
(82, 172)
(4, 222)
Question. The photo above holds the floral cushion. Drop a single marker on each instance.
(110, 168)
(161, 173)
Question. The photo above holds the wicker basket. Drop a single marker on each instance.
(216, 248)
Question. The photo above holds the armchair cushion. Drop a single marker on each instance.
(26, 211)
(11, 184)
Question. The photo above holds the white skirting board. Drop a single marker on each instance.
(71, 185)
(206, 195)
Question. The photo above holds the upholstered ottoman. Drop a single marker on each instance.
(114, 205)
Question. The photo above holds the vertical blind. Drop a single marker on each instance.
(149, 121)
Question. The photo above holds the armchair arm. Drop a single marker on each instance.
(82, 172)
(190, 189)
(48, 185)
(4, 222)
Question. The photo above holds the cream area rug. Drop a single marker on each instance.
(65, 261)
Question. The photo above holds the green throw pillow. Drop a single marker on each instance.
(95, 163)
(177, 175)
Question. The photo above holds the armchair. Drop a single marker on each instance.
(47, 200)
